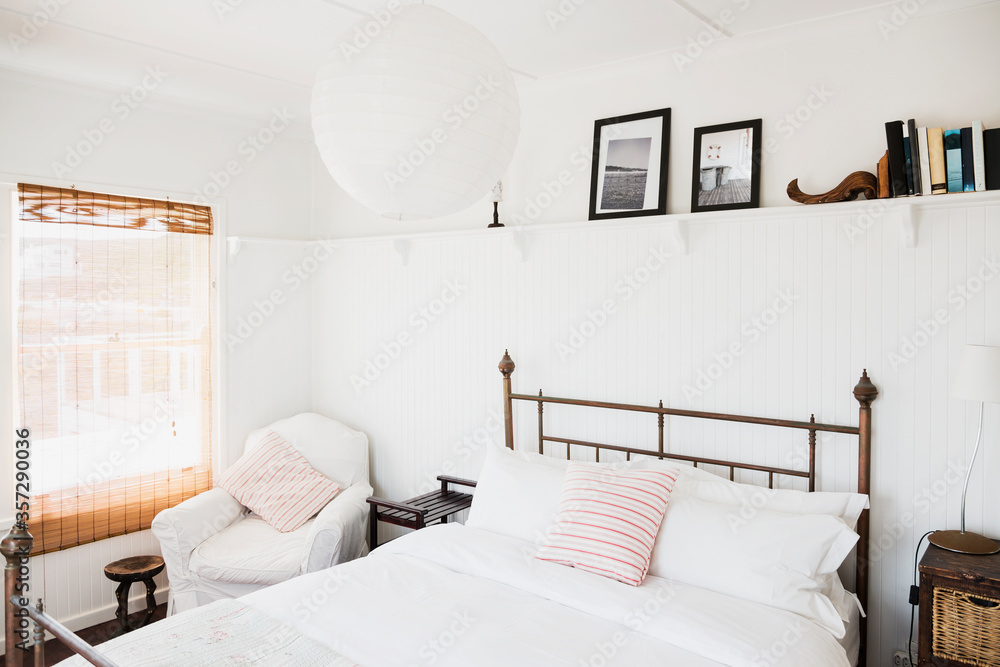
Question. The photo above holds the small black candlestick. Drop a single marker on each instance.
(497, 198)
(496, 217)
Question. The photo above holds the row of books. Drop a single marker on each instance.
(932, 160)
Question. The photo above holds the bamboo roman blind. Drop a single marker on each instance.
(114, 359)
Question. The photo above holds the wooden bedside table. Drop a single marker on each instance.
(421, 511)
(959, 609)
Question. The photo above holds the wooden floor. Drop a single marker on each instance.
(56, 651)
(735, 192)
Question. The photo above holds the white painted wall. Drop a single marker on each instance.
(859, 297)
(162, 148)
(823, 92)
(851, 298)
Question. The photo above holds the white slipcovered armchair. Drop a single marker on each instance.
(214, 548)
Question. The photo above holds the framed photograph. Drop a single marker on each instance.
(629, 173)
(726, 171)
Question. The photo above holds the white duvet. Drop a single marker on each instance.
(454, 595)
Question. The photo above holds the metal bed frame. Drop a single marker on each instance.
(16, 545)
(864, 392)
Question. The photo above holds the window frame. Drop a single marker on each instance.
(9, 404)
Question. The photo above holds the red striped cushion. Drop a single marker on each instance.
(274, 480)
(608, 520)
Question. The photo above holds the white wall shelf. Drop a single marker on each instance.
(906, 209)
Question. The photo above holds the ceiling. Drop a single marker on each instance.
(254, 54)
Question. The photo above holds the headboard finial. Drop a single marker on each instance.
(506, 364)
(865, 392)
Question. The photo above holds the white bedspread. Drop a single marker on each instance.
(223, 633)
(453, 595)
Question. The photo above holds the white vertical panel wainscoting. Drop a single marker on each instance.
(73, 585)
(773, 312)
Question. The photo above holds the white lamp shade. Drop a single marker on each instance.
(418, 117)
(978, 375)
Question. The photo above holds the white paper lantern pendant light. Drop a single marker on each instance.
(416, 114)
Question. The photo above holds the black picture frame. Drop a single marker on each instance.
(635, 186)
(717, 185)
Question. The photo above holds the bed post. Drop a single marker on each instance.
(39, 637)
(506, 368)
(865, 392)
(15, 547)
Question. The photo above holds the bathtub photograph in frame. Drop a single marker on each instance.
(629, 168)
(726, 171)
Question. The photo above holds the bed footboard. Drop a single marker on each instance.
(19, 614)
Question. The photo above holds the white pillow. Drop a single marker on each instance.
(541, 500)
(516, 496)
(701, 484)
(778, 559)
(747, 499)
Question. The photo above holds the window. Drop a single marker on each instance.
(114, 356)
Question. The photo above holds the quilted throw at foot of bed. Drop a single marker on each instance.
(224, 633)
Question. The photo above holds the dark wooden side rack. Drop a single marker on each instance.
(421, 511)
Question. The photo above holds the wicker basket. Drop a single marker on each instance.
(966, 628)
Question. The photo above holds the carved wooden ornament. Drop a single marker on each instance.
(860, 182)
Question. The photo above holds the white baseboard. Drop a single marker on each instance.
(103, 614)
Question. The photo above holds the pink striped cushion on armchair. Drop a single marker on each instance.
(608, 520)
(276, 481)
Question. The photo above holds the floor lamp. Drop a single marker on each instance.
(977, 379)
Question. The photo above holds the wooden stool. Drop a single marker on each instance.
(128, 571)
